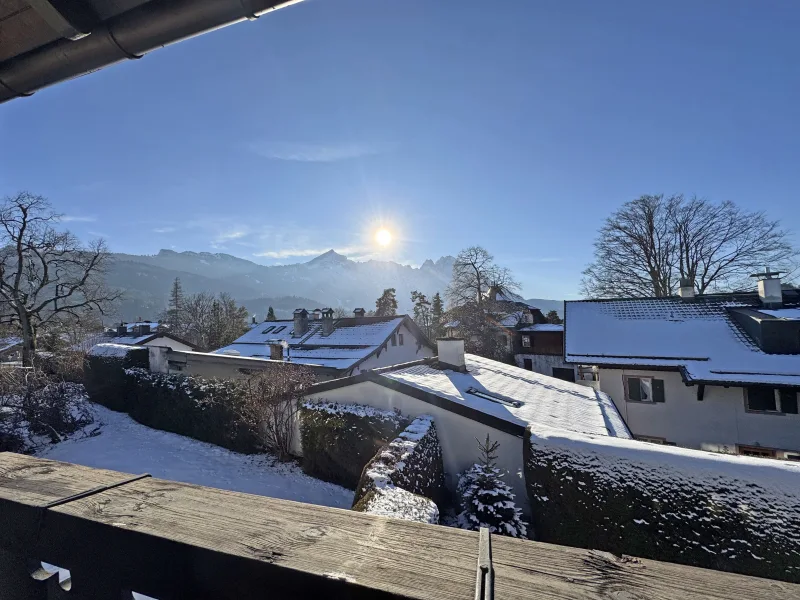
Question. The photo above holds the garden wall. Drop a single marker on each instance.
(732, 513)
(411, 463)
(339, 439)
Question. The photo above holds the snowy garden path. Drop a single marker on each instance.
(125, 445)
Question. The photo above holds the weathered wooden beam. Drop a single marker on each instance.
(175, 540)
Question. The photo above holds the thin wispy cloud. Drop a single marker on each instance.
(98, 234)
(77, 219)
(164, 229)
(312, 152)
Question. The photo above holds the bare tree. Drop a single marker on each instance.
(46, 274)
(646, 247)
(271, 402)
(474, 272)
(213, 322)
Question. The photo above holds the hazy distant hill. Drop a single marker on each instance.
(330, 279)
(327, 280)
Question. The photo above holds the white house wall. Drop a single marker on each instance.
(543, 363)
(457, 434)
(168, 343)
(720, 419)
(395, 355)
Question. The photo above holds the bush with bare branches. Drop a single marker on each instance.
(271, 400)
(38, 407)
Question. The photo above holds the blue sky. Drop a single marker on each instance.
(517, 126)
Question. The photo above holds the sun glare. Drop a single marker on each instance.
(383, 237)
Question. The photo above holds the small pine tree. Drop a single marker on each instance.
(437, 313)
(486, 500)
(271, 315)
(386, 305)
(175, 316)
(552, 317)
(422, 312)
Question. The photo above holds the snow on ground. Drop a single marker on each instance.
(125, 445)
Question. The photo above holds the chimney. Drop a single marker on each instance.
(254, 320)
(686, 290)
(492, 293)
(276, 352)
(316, 314)
(327, 321)
(770, 291)
(451, 354)
(122, 329)
(144, 329)
(359, 313)
(300, 322)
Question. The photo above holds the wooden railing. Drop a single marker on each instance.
(119, 534)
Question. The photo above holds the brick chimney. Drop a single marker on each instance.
(276, 352)
(327, 321)
(122, 329)
(451, 354)
(300, 322)
(359, 314)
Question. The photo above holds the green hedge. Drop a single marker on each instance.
(104, 373)
(709, 510)
(204, 409)
(339, 439)
(412, 462)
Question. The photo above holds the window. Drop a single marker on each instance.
(526, 341)
(757, 451)
(644, 389)
(279, 329)
(771, 400)
(494, 398)
(268, 329)
(394, 339)
(792, 456)
(400, 338)
(528, 363)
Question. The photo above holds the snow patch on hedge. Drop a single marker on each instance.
(112, 350)
(711, 510)
(397, 503)
(358, 410)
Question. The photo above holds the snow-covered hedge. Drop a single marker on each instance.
(732, 513)
(104, 373)
(398, 503)
(339, 439)
(204, 409)
(412, 462)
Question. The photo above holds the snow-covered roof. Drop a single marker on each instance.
(351, 341)
(127, 340)
(517, 395)
(783, 313)
(699, 337)
(542, 327)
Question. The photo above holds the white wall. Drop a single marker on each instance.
(544, 363)
(457, 434)
(395, 355)
(168, 343)
(719, 419)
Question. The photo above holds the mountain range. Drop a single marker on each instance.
(330, 279)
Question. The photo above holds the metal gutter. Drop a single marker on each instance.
(128, 36)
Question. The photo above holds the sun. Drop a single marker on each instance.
(383, 236)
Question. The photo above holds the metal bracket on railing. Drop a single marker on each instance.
(484, 587)
(93, 491)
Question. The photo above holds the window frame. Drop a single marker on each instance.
(526, 341)
(756, 451)
(400, 339)
(394, 339)
(777, 394)
(656, 389)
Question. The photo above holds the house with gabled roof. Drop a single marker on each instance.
(718, 372)
(349, 345)
(470, 396)
(143, 333)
